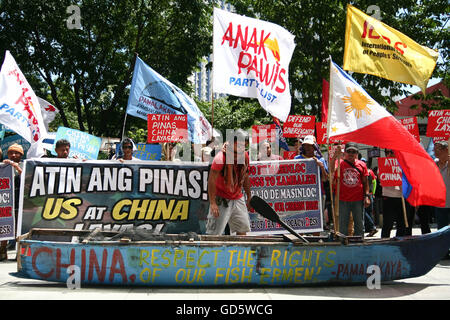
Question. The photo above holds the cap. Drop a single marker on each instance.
(16, 147)
(363, 159)
(351, 146)
(309, 140)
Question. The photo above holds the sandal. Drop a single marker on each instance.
(372, 233)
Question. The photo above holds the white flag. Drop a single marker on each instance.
(48, 110)
(251, 59)
(19, 106)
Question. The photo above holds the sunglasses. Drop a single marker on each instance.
(127, 147)
(351, 151)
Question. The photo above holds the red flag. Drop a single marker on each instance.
(325, 96)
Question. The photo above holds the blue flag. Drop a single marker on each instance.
(150, 93)
(281, 139)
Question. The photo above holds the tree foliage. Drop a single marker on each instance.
(85, 72)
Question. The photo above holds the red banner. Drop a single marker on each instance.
(288, 155)
(411, 125)
(438, 123)
(167, 128)
(321, 131)
(264, 132)
(389, 172)
(299, 126)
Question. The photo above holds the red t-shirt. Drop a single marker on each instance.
(218, 164)
(351, 187)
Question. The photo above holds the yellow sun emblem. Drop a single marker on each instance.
(357, 102)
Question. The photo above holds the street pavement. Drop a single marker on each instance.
(435, 285)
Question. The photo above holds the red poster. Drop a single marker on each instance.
(411, 125)
(166, 128)
(438, 123)
(288, 155)
(321, 130)
(299, 126)
(389, 172)
(264, 132)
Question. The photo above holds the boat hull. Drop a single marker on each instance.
(231, 263)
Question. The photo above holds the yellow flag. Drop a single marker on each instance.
(373, 47)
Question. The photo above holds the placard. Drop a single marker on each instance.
(82, 145)
(411, 125)
(167, 128)
(299, 126)
(7, 218)
(321, 130)
(389, 172)
(438, 123)
(292, 189)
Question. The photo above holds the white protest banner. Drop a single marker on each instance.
(19, 106)
(251, 59)
(48, 110)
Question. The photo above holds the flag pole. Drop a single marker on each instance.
(330, 178)
(404, 212)
(125, 119)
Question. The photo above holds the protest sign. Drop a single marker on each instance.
(288, 155)
(85, 195)
(438, 123)
(82, 144)
(263, 132)
(10, 140)
(299, 126)
(321, 130)
(167, 128)
(411, 125)
(389, 172)
(7, 219)
(148, 151)
(292, 189)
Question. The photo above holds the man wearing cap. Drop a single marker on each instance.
(353, 190)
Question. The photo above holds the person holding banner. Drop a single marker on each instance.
(62, 149)
(229, 173)
(354, 188)
(442, 157)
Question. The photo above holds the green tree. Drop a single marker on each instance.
(86, 72)
(319, 29)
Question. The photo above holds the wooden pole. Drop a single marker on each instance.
(404, 212)
(331, 194)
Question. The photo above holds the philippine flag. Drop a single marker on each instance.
(354, 116)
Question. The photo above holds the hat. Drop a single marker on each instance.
(363, 159)
(16, 147)
(350, 146)
(309, 140)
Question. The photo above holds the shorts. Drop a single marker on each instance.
(235, 214)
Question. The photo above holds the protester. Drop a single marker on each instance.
(393, 208)
(127, 148)
(15, 154)
(354, 188)
(62, 149)
(442, 157)
(369, 225)
(228, 174)
(425, 213)
(265, 152)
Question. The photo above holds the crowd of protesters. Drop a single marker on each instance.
(347, 175)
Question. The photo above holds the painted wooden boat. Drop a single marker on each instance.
(202, 260)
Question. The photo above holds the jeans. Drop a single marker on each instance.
(442, 217)
(357, 210)
(368, 221)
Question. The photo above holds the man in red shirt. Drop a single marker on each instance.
(228, 174)
(354, 188)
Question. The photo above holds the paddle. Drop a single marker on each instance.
(264, 209)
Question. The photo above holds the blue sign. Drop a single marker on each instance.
(82, 144)
(10, 140)
(148, 151)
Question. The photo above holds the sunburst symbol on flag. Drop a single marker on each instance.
(358, 102)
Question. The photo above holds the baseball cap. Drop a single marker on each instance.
(309, 140)
(351, 146)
